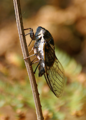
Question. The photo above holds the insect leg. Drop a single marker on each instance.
(31, 50)
(30, 43)
(36, 68)
(35, 62)
(33, 59)
(29, 56)
(28, 28)
(31, 34)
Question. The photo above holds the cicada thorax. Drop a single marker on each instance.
(41, 63)
(39, 51)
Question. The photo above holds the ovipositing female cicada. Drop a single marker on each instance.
(48, 63)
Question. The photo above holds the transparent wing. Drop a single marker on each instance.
(55, 77)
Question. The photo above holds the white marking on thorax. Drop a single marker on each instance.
(43, 64)
(41, 46)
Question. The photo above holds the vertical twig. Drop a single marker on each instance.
(26, 54)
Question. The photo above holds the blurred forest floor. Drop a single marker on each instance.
(66, 21)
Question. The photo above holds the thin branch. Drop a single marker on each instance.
(27, 61)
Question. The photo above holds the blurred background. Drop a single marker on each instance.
(66, 21)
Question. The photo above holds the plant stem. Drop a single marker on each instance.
(23, 44)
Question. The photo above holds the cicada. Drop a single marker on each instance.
(48, 63)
